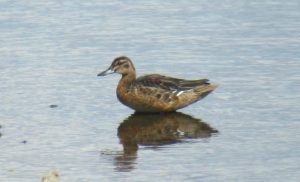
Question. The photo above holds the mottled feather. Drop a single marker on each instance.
(169, 83)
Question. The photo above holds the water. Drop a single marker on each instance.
(56, 114)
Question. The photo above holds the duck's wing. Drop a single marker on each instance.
(169, 83)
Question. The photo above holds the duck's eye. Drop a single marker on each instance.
(126, 65)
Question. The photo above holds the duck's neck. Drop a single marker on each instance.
(127, 79)
(124, 86)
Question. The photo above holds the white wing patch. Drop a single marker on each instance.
(179, 93)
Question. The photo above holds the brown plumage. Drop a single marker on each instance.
(155, 93)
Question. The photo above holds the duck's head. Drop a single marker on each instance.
(122, 65)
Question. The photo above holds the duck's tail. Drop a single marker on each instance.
(204, 90)
(196, 94)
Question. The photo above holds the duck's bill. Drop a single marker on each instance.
(106, 72)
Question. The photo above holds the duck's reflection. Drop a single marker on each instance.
(156, 130)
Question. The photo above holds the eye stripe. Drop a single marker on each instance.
(120, 59)
(118, 63)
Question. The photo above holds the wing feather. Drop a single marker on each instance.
(169, 83)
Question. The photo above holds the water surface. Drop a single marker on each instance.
(56, 114)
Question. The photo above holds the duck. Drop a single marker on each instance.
(155, 93)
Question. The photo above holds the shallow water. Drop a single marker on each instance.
(56, 114)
